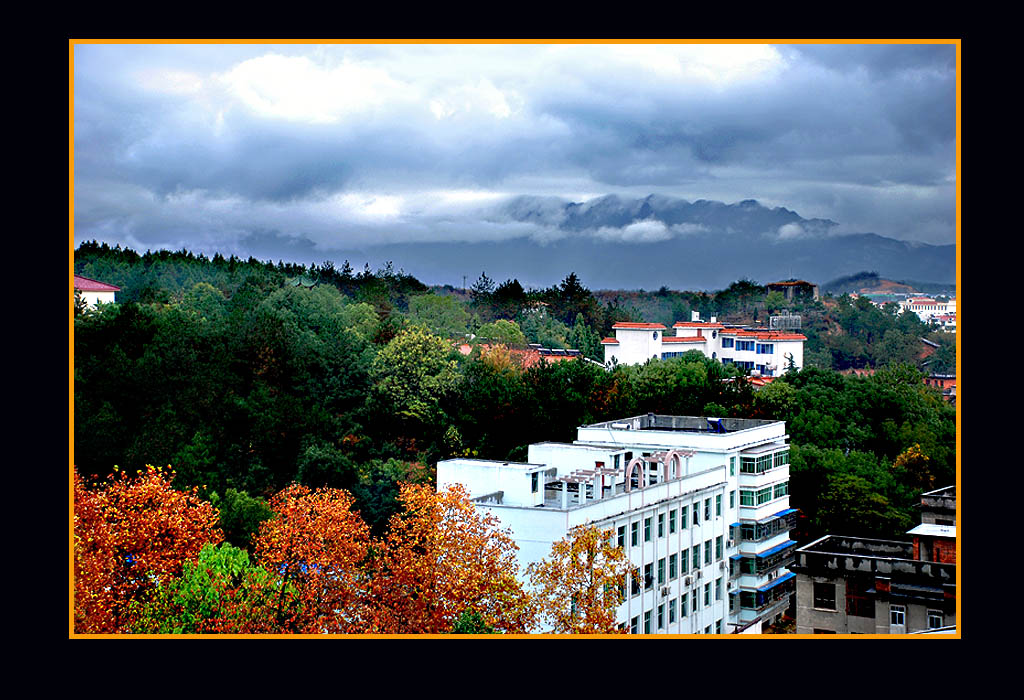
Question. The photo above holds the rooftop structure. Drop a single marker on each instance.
(794, 288)
(700, 504)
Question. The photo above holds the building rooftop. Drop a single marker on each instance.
(688, 424)
(930, 530)
(85, 284)
(624, 325)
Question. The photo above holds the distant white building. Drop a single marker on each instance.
(699, 505)
(760, 350)
(926, 307)
(94, 292)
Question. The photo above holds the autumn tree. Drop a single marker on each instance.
(317, 544)
(580, 585)
(442, 561)
(131, 534)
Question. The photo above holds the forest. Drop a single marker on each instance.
(255, 385)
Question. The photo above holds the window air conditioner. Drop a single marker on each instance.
(730, 543)
(664, 590)
(687, 581)
(721, 565)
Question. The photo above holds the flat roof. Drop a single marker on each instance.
(762, 449)
(931, 530)
(688, 424)
(525, 466)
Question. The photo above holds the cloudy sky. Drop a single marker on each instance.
(317, 148)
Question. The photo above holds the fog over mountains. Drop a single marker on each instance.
(613, 242)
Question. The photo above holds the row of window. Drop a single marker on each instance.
(671, 567)
(757, 532)
(671, 609)
(763, 463)
(753, 498)
(673, 522)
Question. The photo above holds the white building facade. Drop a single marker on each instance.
(762, 351)
(699, 505)
(926, 307)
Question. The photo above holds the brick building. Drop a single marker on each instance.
(855, 585)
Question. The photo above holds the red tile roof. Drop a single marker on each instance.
(609, 341)
(697, 324)
(684, 339)
(626, 325)
(85, 284)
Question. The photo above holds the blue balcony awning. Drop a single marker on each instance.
(776, 582)
(776, 549)
(783, 512)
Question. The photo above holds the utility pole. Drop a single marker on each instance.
(463, 284)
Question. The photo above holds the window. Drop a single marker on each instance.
(682, 606)
(897, 615)
(718, 547)
(764, 495)
(647, 529)
(732, 499)
(746, 497)
(745, 345)
(696, 599)
(707, 594)
(859, 602)
(718, 627)
(535, 482)
(707, 552)
(673, 566)
(684, 561)
(661, 616)
(615, 461)
(732, 466)
(634, 625)
(647, 622)
(781, 458)
(696, 556)
(634, 529)
(622, 536)
(718, 505)
(672, 521)
(707, 630)
(661, 524)
(781, 489)
(825, 596)
(648, 576)
(718, 588)
(726, 342)
(935, 619)
(765, 348)
(671, 611)
(696, 514)
(707, 509)
(635, 582)
(682, 516)
(661, 571)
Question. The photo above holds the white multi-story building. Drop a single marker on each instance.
(700, 506)
(767, 352)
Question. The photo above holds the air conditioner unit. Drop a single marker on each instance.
(687, 581)
(732, 585)
(665, 590)
(721, 565)
(730, 543)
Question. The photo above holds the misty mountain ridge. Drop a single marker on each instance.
(614, 242)
(615, 212)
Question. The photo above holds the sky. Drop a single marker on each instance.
(298, 150)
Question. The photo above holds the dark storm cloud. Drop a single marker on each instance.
(339, 146)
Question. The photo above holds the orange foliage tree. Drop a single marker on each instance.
(441, 558)
(580, 585)
(129, 535)
(317, 544)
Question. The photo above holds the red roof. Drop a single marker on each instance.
(696, 324)
(625, 325)
(84, 284)
(684, 339)
(609, 341)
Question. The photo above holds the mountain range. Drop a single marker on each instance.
(613, 242)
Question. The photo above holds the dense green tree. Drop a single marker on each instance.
(443, 316)
(501, 331)
(413, 373)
